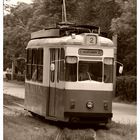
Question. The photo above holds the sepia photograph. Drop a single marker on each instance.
(70, 70)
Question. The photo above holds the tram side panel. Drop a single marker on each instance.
(37, 94)
(56, 86)
(47, 98)
(60, 102)
(36, 99)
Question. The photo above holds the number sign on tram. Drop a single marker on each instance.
(91, 39)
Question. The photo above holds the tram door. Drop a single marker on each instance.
(53, 76)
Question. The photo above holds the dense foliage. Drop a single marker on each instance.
(16, 32)
(125, 27)
(126, 88)
(113, 16)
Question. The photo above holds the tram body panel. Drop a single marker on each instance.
(46, 69)
(56, 87)
(79, 94)
(89, 85)
(37, 98)
(81, 97)
(37, 93)
(60, 103)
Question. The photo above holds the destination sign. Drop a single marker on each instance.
(91, 39)
(90, 52)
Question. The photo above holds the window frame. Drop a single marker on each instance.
(40, 65)
(70, 66)
(52, 60)
(91, 60)
(62, 65)
(104, 68)
(33, 65)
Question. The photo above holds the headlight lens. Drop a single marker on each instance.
(105, 106)
(90, 104)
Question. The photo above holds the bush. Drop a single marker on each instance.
(126, 88)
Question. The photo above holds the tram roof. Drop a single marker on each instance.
(65, 29)
(71, 40)
(68, 34)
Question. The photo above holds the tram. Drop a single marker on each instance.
(70, 74)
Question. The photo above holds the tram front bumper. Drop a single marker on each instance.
(81, 117)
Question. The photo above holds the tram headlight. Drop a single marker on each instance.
(90, 104)
(72, 104)
(105, 105)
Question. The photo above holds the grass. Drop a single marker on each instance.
(27, 128)
(78, 134)
(116, 132)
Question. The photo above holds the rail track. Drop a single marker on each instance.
(59, 135)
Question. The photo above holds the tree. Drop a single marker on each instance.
(16, 32)
(46, 14)
(125, 27)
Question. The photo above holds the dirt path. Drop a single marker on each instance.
(14, 89)
(124, 113)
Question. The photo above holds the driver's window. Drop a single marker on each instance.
(90, 70)
(62, 65)
(71, 68)
(108, 70)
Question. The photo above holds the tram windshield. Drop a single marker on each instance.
(100, 71)
(90, 70)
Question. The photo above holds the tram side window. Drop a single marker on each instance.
(34, 67)
(40, 65)
(34, 64)
(28, 65)
(108, 70)
(71, 68)
(62, 65)
(52, 57)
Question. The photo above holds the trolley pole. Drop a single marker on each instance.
(64, 14)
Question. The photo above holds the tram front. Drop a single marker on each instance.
(89, 82)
